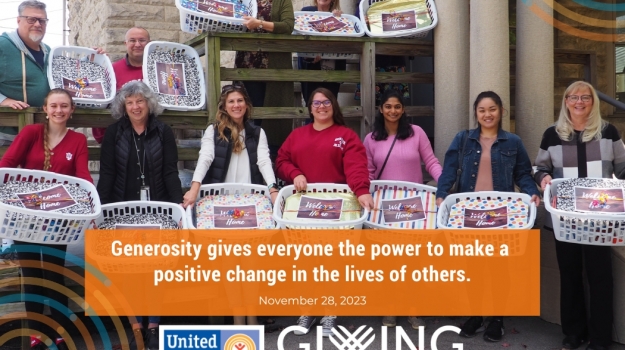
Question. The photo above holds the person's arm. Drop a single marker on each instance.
(207, 155)
(19, 149)
(15, 104)
(426, 153)
(523, 171)
(264, 160)
(108, 169)
(81, 160)
(356, 172)
(450, 168)
(369, 146)
(170, 166)
(618, 150)
(354, 164)
(543, 163)
(285, 168)
(264, 165)
(5, 101)
(283, 24)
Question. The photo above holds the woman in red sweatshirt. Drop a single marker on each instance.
(53, 147)
(325, 151)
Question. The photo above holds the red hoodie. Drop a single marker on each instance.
(334, 155)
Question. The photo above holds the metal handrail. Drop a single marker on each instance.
(610, 100)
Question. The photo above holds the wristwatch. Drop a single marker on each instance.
(260, 26)
(273, 185)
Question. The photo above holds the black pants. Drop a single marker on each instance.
(42, 254)
(597, 261)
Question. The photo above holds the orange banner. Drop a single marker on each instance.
(313, 272)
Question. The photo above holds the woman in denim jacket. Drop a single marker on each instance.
(509, 165)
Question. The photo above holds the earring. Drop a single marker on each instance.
(71, 116)
(47, 117)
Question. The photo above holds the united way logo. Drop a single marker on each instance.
(212, 337)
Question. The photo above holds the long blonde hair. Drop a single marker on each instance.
(594, 125)
(46, 146)
(223, 119)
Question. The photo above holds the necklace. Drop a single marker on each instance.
(141, 168)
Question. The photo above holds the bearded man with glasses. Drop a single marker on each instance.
(23, 63)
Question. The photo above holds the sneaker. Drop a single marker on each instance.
(472, 326)
(138, 339)
(494, 331)
(416, 322)
(327, 323)
(306, 322)
(389, 321)
(572, 342)
(151, 341)
(36, 343)
(60, 344)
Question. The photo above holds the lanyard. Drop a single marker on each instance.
(141, 168)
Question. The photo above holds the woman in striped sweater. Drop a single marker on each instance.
(581, 144)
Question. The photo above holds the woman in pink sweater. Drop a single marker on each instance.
(411, 145)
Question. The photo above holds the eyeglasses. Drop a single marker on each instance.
(32, 20)
(140, 41)
(232, 87)
(575, 98)
(317, 103)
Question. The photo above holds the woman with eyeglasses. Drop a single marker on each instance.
(325, 151)
(139, 161)
(581, 144)
(233, 148)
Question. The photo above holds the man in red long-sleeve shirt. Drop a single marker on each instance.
(130, 67)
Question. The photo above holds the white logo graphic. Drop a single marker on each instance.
(351, 342)
(68, 156)
(344, 340)
(339, 142)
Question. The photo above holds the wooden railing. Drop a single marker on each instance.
(210, 46)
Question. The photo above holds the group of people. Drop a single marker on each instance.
(138, 137)
(139, 160)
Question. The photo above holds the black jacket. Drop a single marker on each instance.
(161, 157)
(223, 152)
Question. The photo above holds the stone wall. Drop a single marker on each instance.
(104, 23)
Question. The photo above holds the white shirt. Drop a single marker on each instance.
(239, 167)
